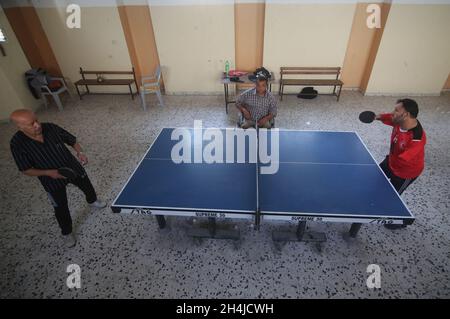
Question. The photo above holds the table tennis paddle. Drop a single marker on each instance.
(67, 173)
(367, 117)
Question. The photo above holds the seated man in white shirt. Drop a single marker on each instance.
(257, 105)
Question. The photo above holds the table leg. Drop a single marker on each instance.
(225, 87)
(78, 91)
(131, 92)
(354, 229)
(257, 220)
(301, 228)
(212, 226)
(212, 229)
(283, 236)
(87, 89)
(161, 221)
(339, 95)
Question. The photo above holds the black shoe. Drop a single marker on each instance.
(394, 226)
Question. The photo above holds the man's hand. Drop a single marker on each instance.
(53, 173)
(246, 113)
(82, 158)
(262, 121)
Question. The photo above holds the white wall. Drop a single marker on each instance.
(193, 44)
(14, 93)
(414, 53)
(99, 45)
(306, 35)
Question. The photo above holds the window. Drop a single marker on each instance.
(2, 36)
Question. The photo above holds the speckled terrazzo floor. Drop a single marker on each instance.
(127, 256)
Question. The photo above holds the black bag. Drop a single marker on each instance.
(236, 79)
(307, 93)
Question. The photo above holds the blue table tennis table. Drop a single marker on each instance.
(322, 177)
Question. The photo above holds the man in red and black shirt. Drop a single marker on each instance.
(405, 161)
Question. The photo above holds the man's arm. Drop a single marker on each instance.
(240, 104)
(77, 148)
(386, 118)
(264, 119)
(53, 173)
(25, 164)
(81, 156)
(272, 112)
(71, 140)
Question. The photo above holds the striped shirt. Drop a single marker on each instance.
(52, 154)
(258, 106)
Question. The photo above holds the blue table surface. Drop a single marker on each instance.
(319, 173)
(164, 184)
(162, 147)
(335, 189)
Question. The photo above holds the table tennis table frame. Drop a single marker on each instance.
(258, 216)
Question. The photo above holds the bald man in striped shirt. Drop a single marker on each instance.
(40, 150)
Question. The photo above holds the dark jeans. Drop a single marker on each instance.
(400, 184)
(58, 199)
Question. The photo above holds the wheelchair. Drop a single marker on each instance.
(241, 121)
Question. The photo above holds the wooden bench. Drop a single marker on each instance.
(107, 81)
(286, 71)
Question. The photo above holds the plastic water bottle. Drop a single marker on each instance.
(227, 67)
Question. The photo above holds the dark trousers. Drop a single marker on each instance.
(400, 184)
(58, 199)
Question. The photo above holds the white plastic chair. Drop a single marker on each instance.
(46, 91)
(151, 84)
